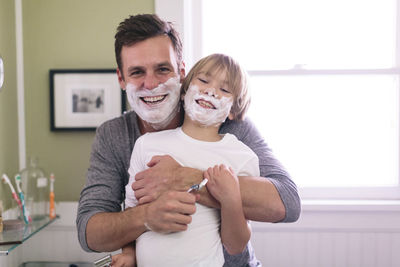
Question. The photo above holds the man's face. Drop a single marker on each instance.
(151, 76)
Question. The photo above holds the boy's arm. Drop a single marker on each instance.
(235, 232)
(224, 186)
(125, 259)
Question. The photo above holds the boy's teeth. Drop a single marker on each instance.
(206, 104)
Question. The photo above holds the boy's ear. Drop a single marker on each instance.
(182, 72)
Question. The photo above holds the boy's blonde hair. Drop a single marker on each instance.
(236, 77)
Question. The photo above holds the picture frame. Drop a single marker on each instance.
(82, 99)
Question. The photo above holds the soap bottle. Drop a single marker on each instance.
(35, 188)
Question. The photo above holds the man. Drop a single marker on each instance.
(149, 57)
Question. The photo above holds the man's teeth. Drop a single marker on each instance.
(205, 104)
(153, 99)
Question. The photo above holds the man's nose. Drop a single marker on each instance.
(150, 81)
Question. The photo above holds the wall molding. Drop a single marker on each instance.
(20, 84)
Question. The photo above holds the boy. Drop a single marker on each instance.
(215, 89)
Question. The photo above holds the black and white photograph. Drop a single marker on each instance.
(88, 101)
(80, 100)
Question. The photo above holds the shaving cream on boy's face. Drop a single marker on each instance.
(157, 106)
(205, 108)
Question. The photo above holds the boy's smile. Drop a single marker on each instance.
(205, 104)
(206, 108)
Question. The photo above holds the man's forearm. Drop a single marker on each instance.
(260, 199)
(112, 230)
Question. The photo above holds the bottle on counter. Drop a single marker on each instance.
(36, 189)
(1, 217)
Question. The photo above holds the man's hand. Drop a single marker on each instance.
(171, 212)
(161, 176)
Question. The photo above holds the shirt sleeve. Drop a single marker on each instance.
(106, 177)
(270, 167)
(250, 168)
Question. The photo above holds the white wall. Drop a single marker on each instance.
(342, 234)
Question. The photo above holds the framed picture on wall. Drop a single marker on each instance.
(81, 100)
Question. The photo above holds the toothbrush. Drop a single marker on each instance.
(25, 212)
(52, 212)
(197, 187)
(15, 196)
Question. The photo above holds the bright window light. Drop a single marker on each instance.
(325, 78)
(279, 34)
(325, 84)
(343, 134)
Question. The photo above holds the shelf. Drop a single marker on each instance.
(11, 239)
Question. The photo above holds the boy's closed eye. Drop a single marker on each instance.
(225, 90)
(203, 80)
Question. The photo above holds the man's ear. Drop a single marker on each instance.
(121, 80)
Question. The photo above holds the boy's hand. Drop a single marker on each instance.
(124, 260)
(223, 184)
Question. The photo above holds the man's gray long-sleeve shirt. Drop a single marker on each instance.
(108, 174)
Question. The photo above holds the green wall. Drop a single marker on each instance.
(8, 99)
(64, 34)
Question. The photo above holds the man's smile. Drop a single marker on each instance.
(153, 99)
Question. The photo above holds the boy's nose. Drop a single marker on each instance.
(210, 91)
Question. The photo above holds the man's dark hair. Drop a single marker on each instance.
(141, 27)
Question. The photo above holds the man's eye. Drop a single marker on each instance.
(136, 73)
(164, 70)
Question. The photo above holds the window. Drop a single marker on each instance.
(325, 79)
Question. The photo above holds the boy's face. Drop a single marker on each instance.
(208, 99)
(151, 76)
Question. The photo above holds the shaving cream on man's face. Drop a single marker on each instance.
(205, 109)
(157, 106)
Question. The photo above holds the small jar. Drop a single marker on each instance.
(35, 188)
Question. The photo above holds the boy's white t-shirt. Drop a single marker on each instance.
(200, 244)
